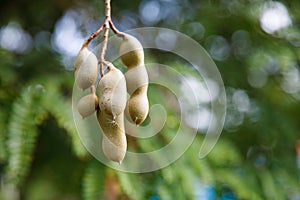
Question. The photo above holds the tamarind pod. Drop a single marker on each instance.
(112, 102)
(112, 92)
(131, 51)
(138, 105)
(86, 68)
(135, 78)
(132, 55)
(87, 105)
(114, 144)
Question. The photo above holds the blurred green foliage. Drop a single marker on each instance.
(41, 156)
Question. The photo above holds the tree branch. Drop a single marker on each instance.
(115, 30)
(104, 47)
(108, 24)
(93, 35)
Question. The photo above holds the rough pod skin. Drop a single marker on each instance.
(88, 104)
(135, 78)
(131, 51)
(132, 55)
(112, 92)
(86, 68)
(114, 142)
(138, 105)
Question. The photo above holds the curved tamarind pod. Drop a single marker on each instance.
(86, 68)
(132, 55)
(88, 104)
(131, 51)
(112, 92)
(135, 78)
(114, 144)
(138, 105)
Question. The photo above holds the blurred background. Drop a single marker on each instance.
(256, 46)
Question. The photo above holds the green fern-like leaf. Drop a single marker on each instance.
(200, 166)
(22, 133)
(224, 154)
(2, 138)
(165, 193)
(93, 181)
(176, 173)
(186, 177)
(239, 184)
(270, 189)
(286, 182)
(61, 109)
(131, 185)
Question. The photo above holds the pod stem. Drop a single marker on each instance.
(115, 30)
(93, 89)
(109, 65)
(93, 36)
(108, 24)
(108, 20)
(104, 47)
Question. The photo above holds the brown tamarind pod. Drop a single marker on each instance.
(138, 105)
(88, 104)
(135, 78)
(132, 55)
(131, 51)
(112, 92)
(114, 144)
(86, 68)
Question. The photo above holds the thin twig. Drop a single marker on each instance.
(93, 89)
(115, 30)
(105, 36)
(107, 9)
(108, 64)
(104, 47)
(93, 35)
(112, 26)
(108, 24)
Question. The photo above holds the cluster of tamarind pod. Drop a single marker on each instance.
(111, 104)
